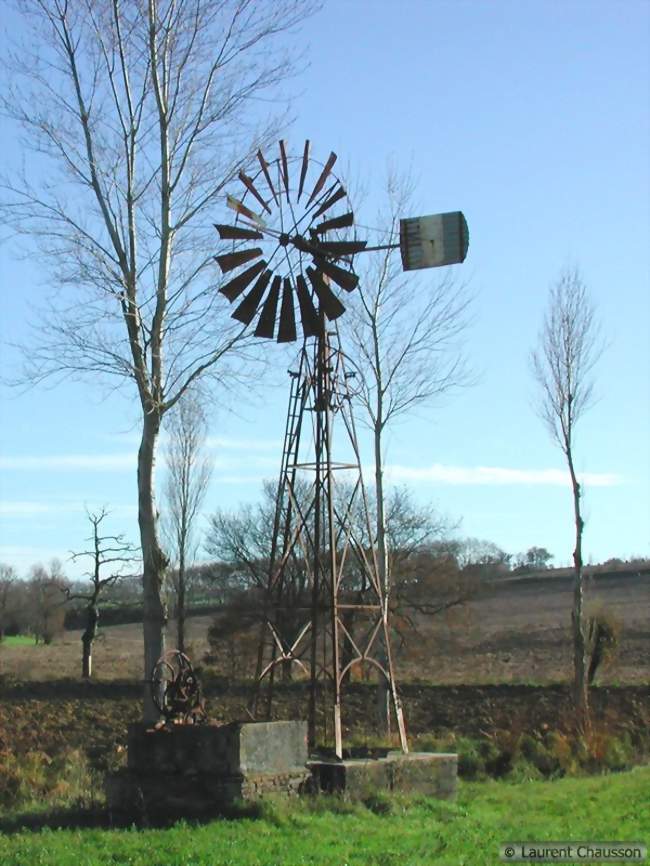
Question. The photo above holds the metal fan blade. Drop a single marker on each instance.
(339, 194)
(230, 261)
(285, 168)
(343, 248)
(303, 170)
(265, 168)
(248, 307)
(329, 165)
(250, 186)
(287, 329)
(308, 313)
(266, 325)
(241, 208)
(341, 277)
(341, 222)
(330, 304)
(237, 285)
(235, 233)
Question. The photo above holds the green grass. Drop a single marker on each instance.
(18, 640)
(395, 832)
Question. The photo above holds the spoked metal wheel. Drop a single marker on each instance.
(175, 689)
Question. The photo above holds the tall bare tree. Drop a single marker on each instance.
(404, 335)
(140, 113)
(569, 345)
(113, 551)
(188, 474)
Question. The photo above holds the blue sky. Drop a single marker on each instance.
(532, 118)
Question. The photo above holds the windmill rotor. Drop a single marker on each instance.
(293, 246)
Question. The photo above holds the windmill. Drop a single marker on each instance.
(290, 269)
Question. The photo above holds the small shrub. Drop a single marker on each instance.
(380, 803)
(561, 749)
(604, 634)
(535, 752)
(471, 765)
(524, 771)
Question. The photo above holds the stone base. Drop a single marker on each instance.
(194, 770)
(434, 775)
(200, 770)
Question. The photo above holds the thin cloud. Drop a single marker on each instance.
(26, 509)
(496, 475)
(218, 442)
(126, 462)
(65, 462)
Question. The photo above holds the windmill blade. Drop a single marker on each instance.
(285, 168)
(303, 170)
(341, 277)
(343, 248)
(248, 307)
(266, 325)
(329, 165)
(287, 329)
(250, 186)
(340, 222)
(230, 261)
(308, 314)
(241, 208)
(265, 168)
(236, 233)
(329, 303)
(237, 285)
(339, 194)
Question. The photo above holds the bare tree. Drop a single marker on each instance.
(188, 475)
(107, 550)
(141, 113)
(568, 347)
(404, 337)
(243, 539)
(8, 579)
(45, 604)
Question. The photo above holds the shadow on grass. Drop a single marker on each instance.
(76, 818)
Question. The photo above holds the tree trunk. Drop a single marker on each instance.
(580, 684)
(154, 561)
(383, 692)
(180, 606)
(87, 639)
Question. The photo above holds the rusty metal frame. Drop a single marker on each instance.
(325, 536)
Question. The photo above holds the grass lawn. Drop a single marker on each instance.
(391, 832)
(18, 640)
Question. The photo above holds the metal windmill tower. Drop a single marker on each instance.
(338, 616)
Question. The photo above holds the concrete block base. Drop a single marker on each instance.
(434, 775)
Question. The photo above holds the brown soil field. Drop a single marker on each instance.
(515, 631)
(54, 716)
